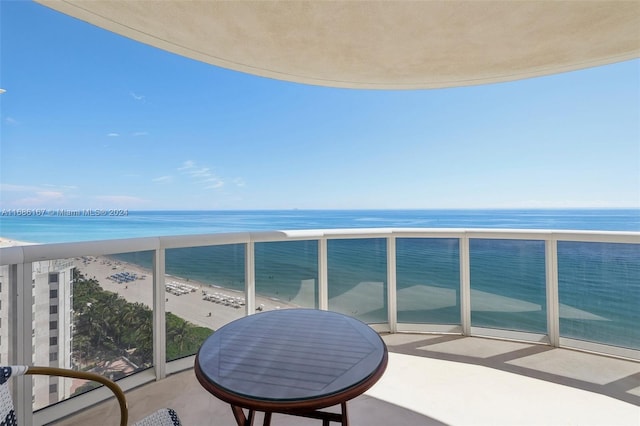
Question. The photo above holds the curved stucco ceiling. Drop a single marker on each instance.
(378, 44)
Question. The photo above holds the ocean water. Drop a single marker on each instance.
(599, 284)
(50, 227)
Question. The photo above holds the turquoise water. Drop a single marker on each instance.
(48, 228)
(599, 284)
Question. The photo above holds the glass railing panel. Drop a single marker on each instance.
(508, 285)
(92, 313)
(286, 274)
(204, 290)
(357, 278)
(428, 280)
(599, 292)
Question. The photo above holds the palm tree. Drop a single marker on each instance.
(144, 337)
(178, 333)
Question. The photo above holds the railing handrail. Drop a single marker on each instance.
(22, 258)
(49, 251)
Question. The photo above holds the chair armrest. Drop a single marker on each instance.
(63, 372)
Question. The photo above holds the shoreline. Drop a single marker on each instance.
(9, 242)
(183, 298)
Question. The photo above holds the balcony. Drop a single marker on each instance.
(480, 323)
(431, 376)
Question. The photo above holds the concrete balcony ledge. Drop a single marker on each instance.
(442, 380)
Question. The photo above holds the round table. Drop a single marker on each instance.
(292, 361)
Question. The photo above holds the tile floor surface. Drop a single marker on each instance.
(440, 380)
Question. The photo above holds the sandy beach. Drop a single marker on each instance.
(184, 298)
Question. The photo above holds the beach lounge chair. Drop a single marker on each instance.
(162, 417)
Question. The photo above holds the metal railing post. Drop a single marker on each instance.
(250, 277)
(159, 317)
(392, 304)
(465, 286)
(323, 275)
(553, 307)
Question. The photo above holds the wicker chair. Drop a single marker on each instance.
(162, 417)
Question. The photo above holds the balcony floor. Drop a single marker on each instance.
(441, 380)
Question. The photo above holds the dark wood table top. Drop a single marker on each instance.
(291, 359)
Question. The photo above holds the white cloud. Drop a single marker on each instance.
(140, 133)
(61, 187)
(113, 135)
(11, 121)
(201, 175)
(35, 196)
(213, 183)
(50, 195)
(45, 188)
(118, 201)
(239, 182)
(163, 179)
(202, 172)
(137, 97)
(192, 169)
(41, 199)
(189, 164)
(9, 187)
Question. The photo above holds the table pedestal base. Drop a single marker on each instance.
(326, 417)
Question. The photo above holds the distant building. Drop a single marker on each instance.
(52, 332)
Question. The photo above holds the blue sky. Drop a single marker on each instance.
(93, 120)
